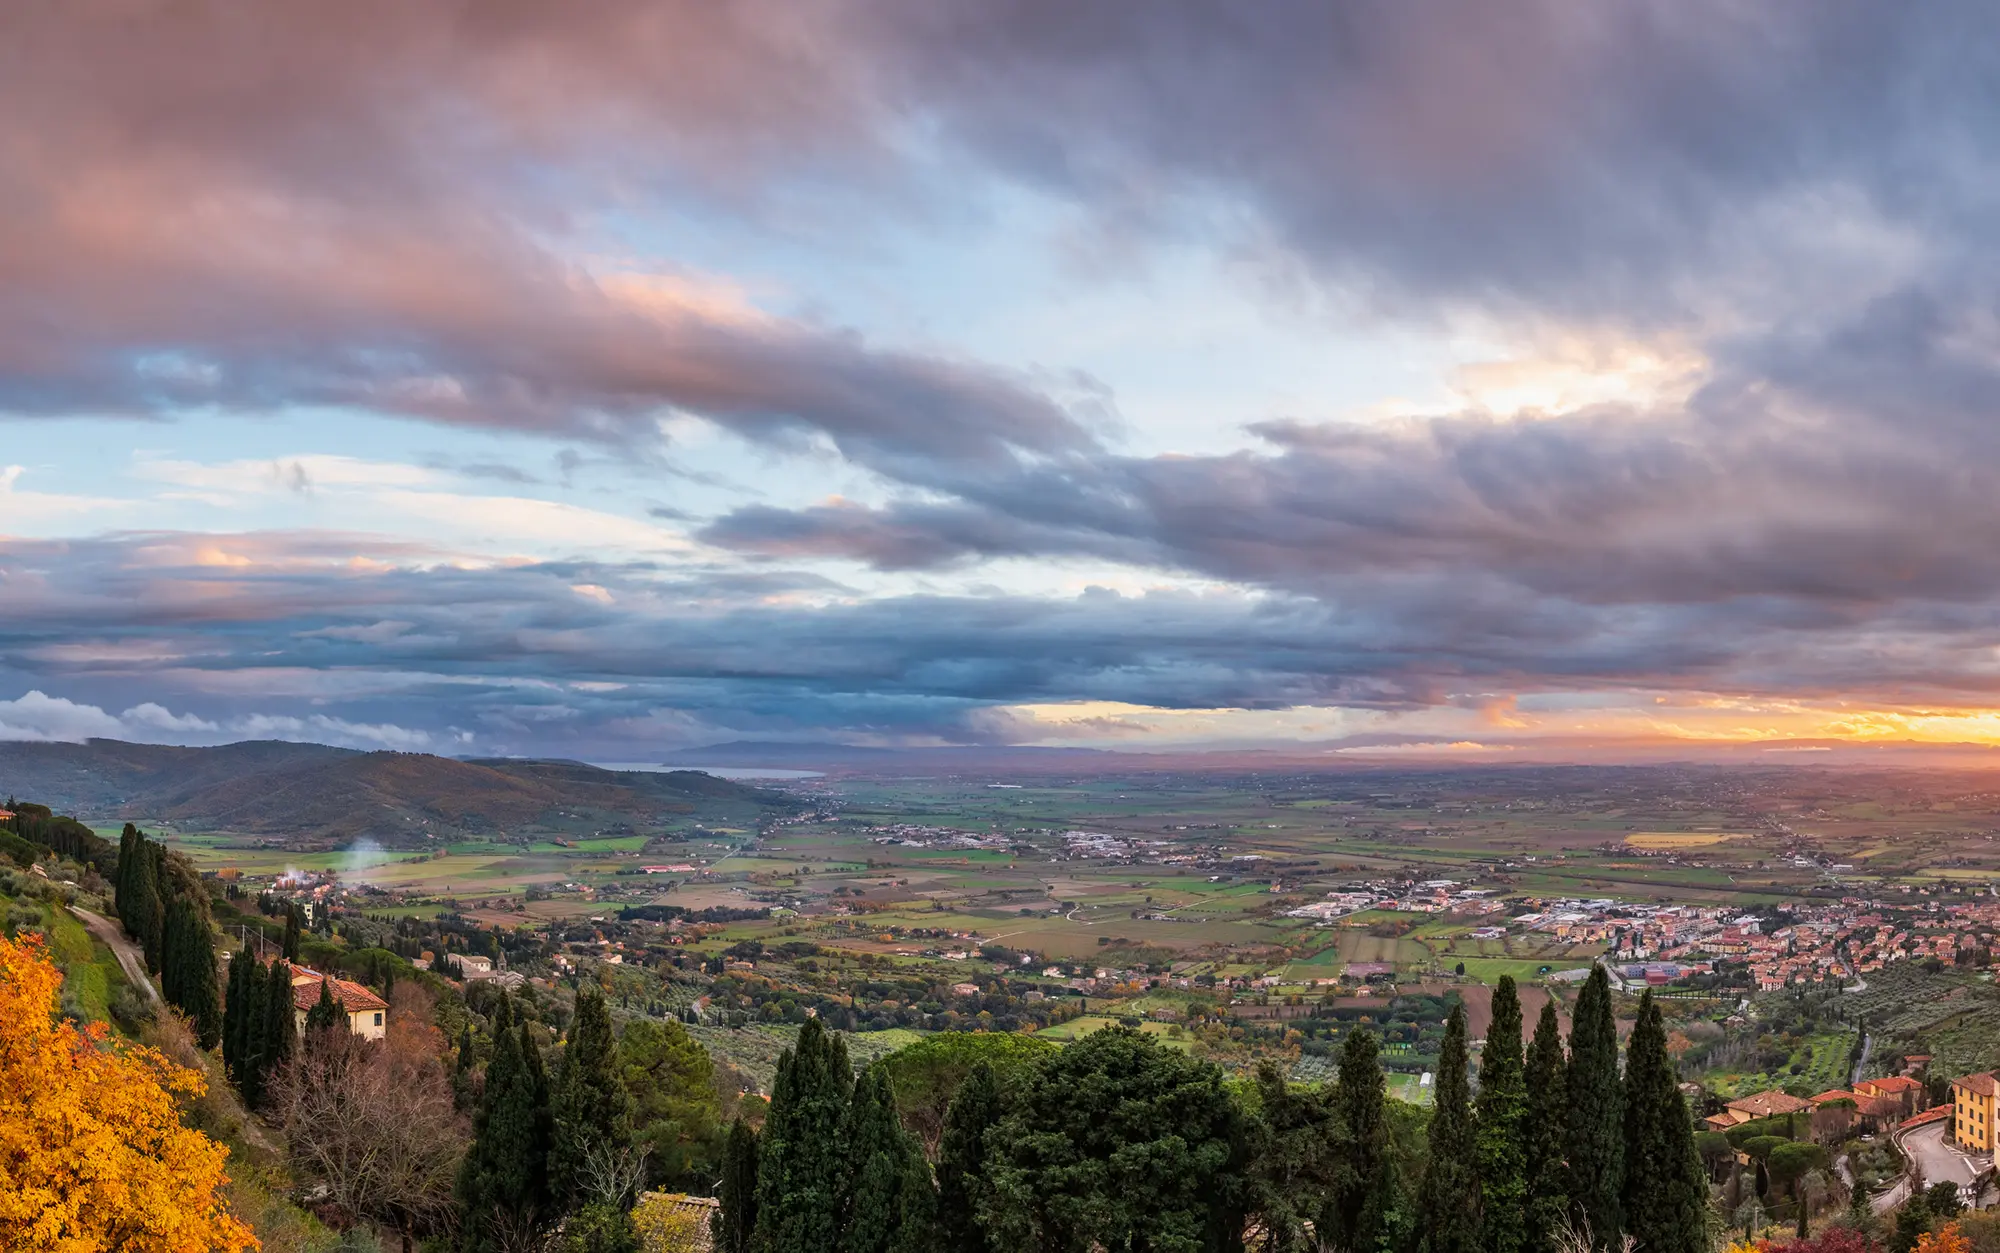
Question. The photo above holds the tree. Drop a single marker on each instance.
(278, 1038)
(1449, 1198)
(1296, 1160)
(325, 1016)
(926, 1075)
(1946, 1239)
(1912, 1221)
(373, 1125)
(1942, 1199)
(591, 1112)
(1502, 1116)
(961, 1159)
(234, 998)
(464, 1076)
(735, 1219)
(1547, 1208)
(803, 1170)
(1596, 1123)
(139, 907)
(91, 1143)
(1119, 1142)
(676, 1109)
(199, 996)
(501, 1186)
(291, 945)
(1363, 1190)
(891, 1206)
(1665, 1204)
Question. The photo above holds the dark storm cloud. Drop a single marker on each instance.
(225, 628)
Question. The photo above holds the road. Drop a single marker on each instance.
(129, 956)
(1936, 1158)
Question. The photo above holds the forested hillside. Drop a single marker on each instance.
(284, 790)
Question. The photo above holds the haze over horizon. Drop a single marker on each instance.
(1451, 381)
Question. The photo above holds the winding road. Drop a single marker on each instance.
(128, 954)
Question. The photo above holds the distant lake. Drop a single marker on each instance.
(723, 772)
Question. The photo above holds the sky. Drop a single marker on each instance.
(1449, 380)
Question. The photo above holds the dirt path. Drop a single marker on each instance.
(127, 952)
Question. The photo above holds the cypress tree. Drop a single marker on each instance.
(736, 1218)
(501, 1182)
(590, 1106)
(325, 1015)
(194, 964)
(1596, 1114)
(171, 951)
(291, 949)
(232, 1013)
(250, 1028)
(890, 1205)
(462, 1076)
(1502, 1115)
(1449, 1199)
(1666, 1202)
(802, 1168)
(277, 1037)
(121, 877)
(140, 909)
(157, 891)
(1362, 1194)
(961, 1162)
(1547, 1209)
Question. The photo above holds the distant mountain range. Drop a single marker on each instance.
(784, 755)
(312, 793)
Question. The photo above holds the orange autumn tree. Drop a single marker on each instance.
(93, 1156)
(1946, 1239)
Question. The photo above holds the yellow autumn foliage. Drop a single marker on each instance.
(668, 1225)
(93, 1156)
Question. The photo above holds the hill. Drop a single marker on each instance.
(313, 794)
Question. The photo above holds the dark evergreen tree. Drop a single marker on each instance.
(736, 1218)
(140, 907)
(193, 962)
(501, 1187)
(961, 1161)
(1665, 1199)
(156, 890)
(463, 1076)
(277, 1038)
(1596, 1140)
(121, 877)
(1297, 1160)
(1448, 1202)
(232, 1014)
(1912, 1221)
(1363, 1192)
(803, 1170)
(1117, 1142)
(1547, 1208)
(590, 1108)
(891, 1206)
(171, 946)
(1502, 1127)
(291, 946)
(325, 1016)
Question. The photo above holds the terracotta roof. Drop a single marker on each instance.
(1836, 1094)
(1981, 1084)
(352, 996)
(1894, 1083)
(1768, 1104)
(1937, 1114)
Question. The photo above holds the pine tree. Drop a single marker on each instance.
(501, 1182)
(962, 1159)
(1355, 1218)
(802, 1169)
(1665, 1203)
(736, 1218)
(1449, 1199)
(890, 1205)
(1596, 1114)
(590, 1107)
(1547, 1202)
(1502, 1119)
